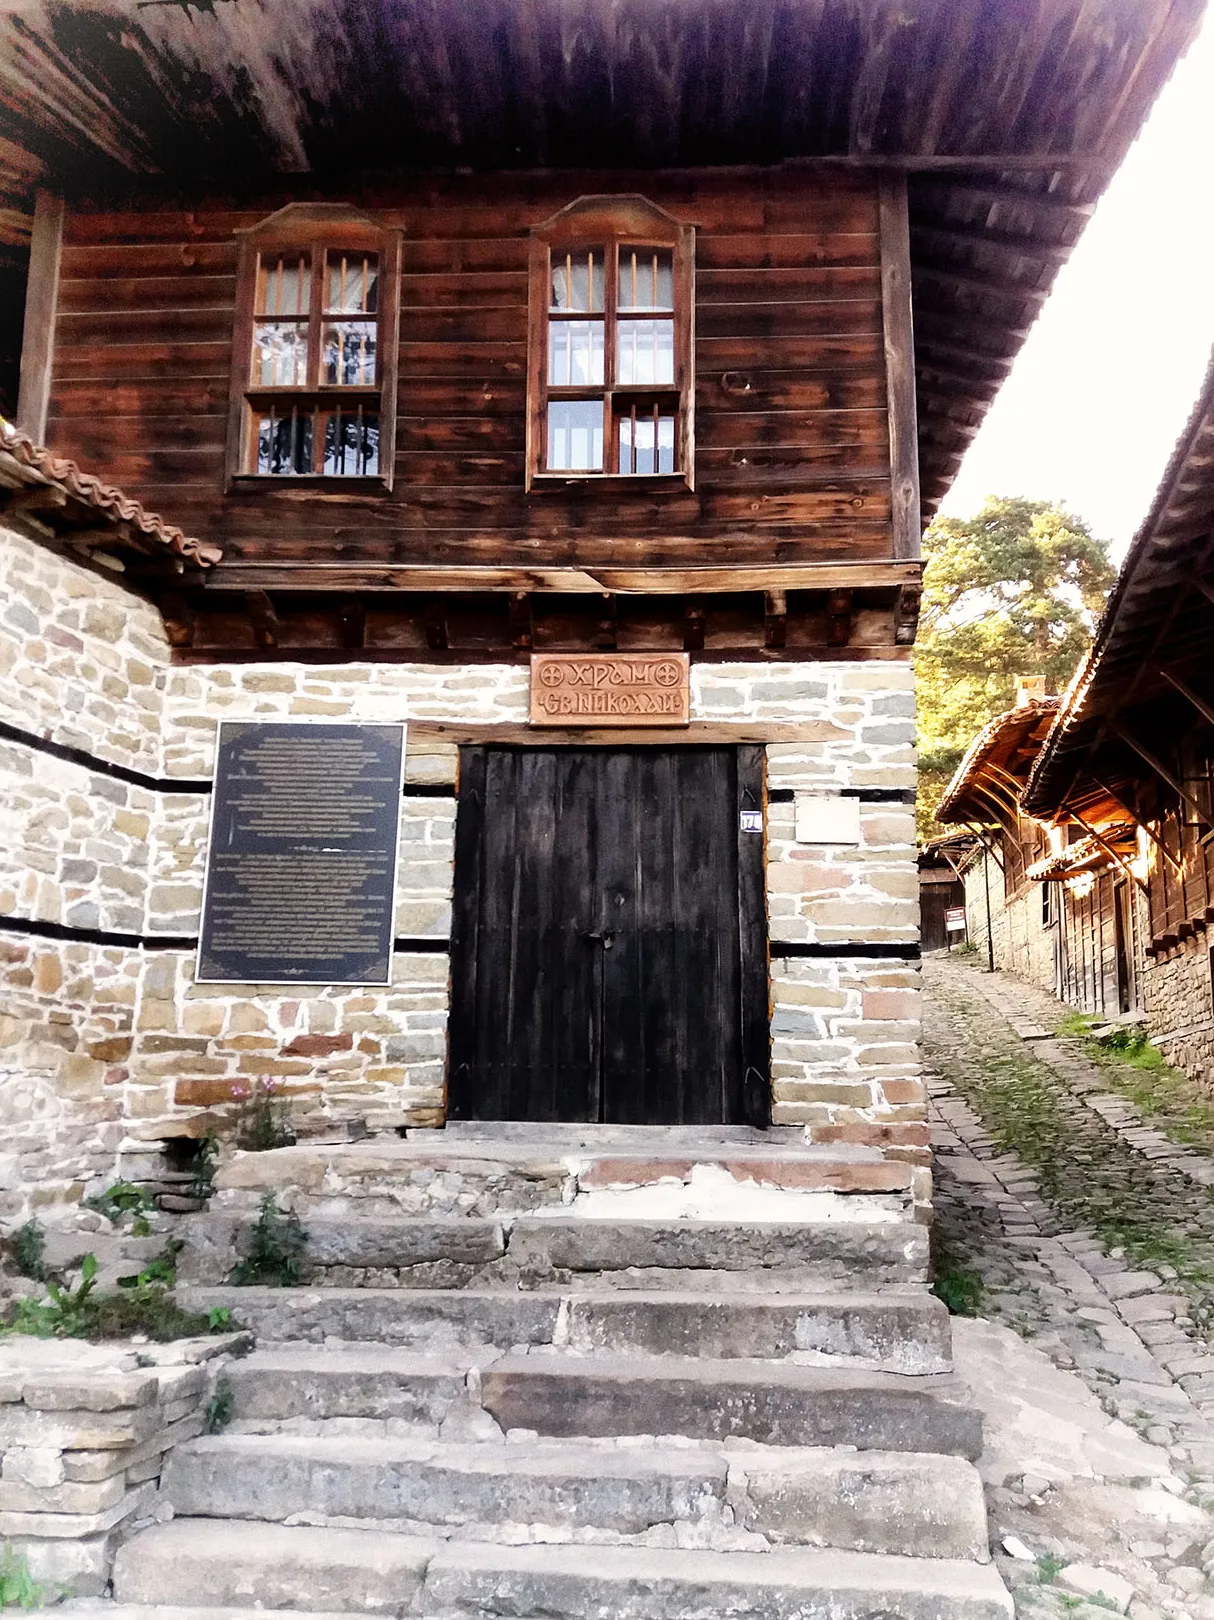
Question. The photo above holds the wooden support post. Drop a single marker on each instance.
(436, 625)
(178, 616)
(1094, 832)
(607, 636)
(838, 618)
(906, 615)
(41, 308)
(775, 620)
(693, 625)
(353, 615)
(522, 634)
(265, 619)
(1161, 771)
(896, 323)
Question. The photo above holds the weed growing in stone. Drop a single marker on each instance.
(82, 1312)
(219, 1407)
(263, 1120)
(121, 1200)
(18, 1588)
(29, 1245)
(205, 1163)
(1049, 1567)
(959, 1288)
(276, 1249)
(160, 1271)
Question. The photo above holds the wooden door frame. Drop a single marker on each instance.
(754, 976)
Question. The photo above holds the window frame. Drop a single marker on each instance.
(611, 223)
(315, 230)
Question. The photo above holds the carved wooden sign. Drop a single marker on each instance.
(610, 689)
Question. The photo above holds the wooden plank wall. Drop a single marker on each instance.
(792, 454)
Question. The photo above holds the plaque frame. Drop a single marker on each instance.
(313, 725)
(546, 671)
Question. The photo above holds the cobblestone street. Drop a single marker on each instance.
(1065, 1216)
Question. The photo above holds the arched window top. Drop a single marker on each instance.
(611, 365)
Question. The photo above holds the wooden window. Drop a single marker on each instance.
(611, 367)
(314, 380)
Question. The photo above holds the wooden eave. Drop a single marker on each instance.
(1152, 641)
(1000, 185)
(988, 783)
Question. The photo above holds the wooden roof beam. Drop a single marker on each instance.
(1024, 247)
(996, 196)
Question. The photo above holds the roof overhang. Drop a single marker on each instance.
(987, 785)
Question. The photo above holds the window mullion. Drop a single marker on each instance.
(611, 303)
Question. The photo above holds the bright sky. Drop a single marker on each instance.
(1107, 377)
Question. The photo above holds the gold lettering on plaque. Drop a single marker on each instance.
(610, 689)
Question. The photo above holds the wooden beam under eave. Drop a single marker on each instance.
(899, 339)
(41, 309)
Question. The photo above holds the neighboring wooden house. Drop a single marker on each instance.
(509, 331)
(1129, 760)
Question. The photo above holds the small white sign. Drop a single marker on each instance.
(954, 920)
(827, 819)
(751, 821)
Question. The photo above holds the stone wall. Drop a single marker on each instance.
(107, 1045)
(1179, 1002)
(1023, 943)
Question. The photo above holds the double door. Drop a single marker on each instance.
(609, 942)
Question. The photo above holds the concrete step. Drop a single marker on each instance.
(915, 1505)
(432, 1173)
(372, 1382)
(229, 1563)
(455, 1252)
(896, 1331)
(777, 1403)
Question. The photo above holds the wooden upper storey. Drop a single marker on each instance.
(791, 458)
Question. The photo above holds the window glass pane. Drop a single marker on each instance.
(646, 352)
(577, 279)
(646, 446)
(280, 354)
(575, 435)
(349, 354)
(284, 285)
(284, 443)
(351, 444)
(575, 354)
(353, 284)
(646, 279)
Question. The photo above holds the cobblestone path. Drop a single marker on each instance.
(1084, 1229)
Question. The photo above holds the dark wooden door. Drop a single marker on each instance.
(609, 942)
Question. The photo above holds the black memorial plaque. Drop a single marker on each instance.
(301, 867)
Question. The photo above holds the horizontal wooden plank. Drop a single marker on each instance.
(422, 357)
(722, 251)
(729, 428)
(842, 350)
(100, 436)
(870, 500)
(145, 258)
(753, 320)
(438, 254)
(178, 362)
(137, 294)
(142, 400)
(121, 328)
(134, 468)
(743, 391)
(482, 289)
(801, 284)
(109, 228)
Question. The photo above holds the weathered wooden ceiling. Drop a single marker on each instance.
(1010, 115)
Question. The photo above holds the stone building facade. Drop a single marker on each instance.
(108, 1047)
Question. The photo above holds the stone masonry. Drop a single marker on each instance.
(106, 1047)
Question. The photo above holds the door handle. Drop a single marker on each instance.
(604, 937)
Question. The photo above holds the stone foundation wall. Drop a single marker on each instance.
(107, 1043)
(1023, 944)
(1180, 1007)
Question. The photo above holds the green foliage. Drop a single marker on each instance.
(219, 1407)
(959, 1288)
(1049, 1567)
(18, 1589)
(219, 1318)
(160, 1272)
(143, 1304)
(123, 1199)
(263, 1120)
(276, 1249)
(1015, 590)
(29, 1244)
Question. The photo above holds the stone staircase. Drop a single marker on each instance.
(645, 1375)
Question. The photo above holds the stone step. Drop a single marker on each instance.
(294, 1383)
(914, 1505)
(897, 1331)
(776, 1403)
(229, 1563)
(445, 1251)
(431, 1173)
